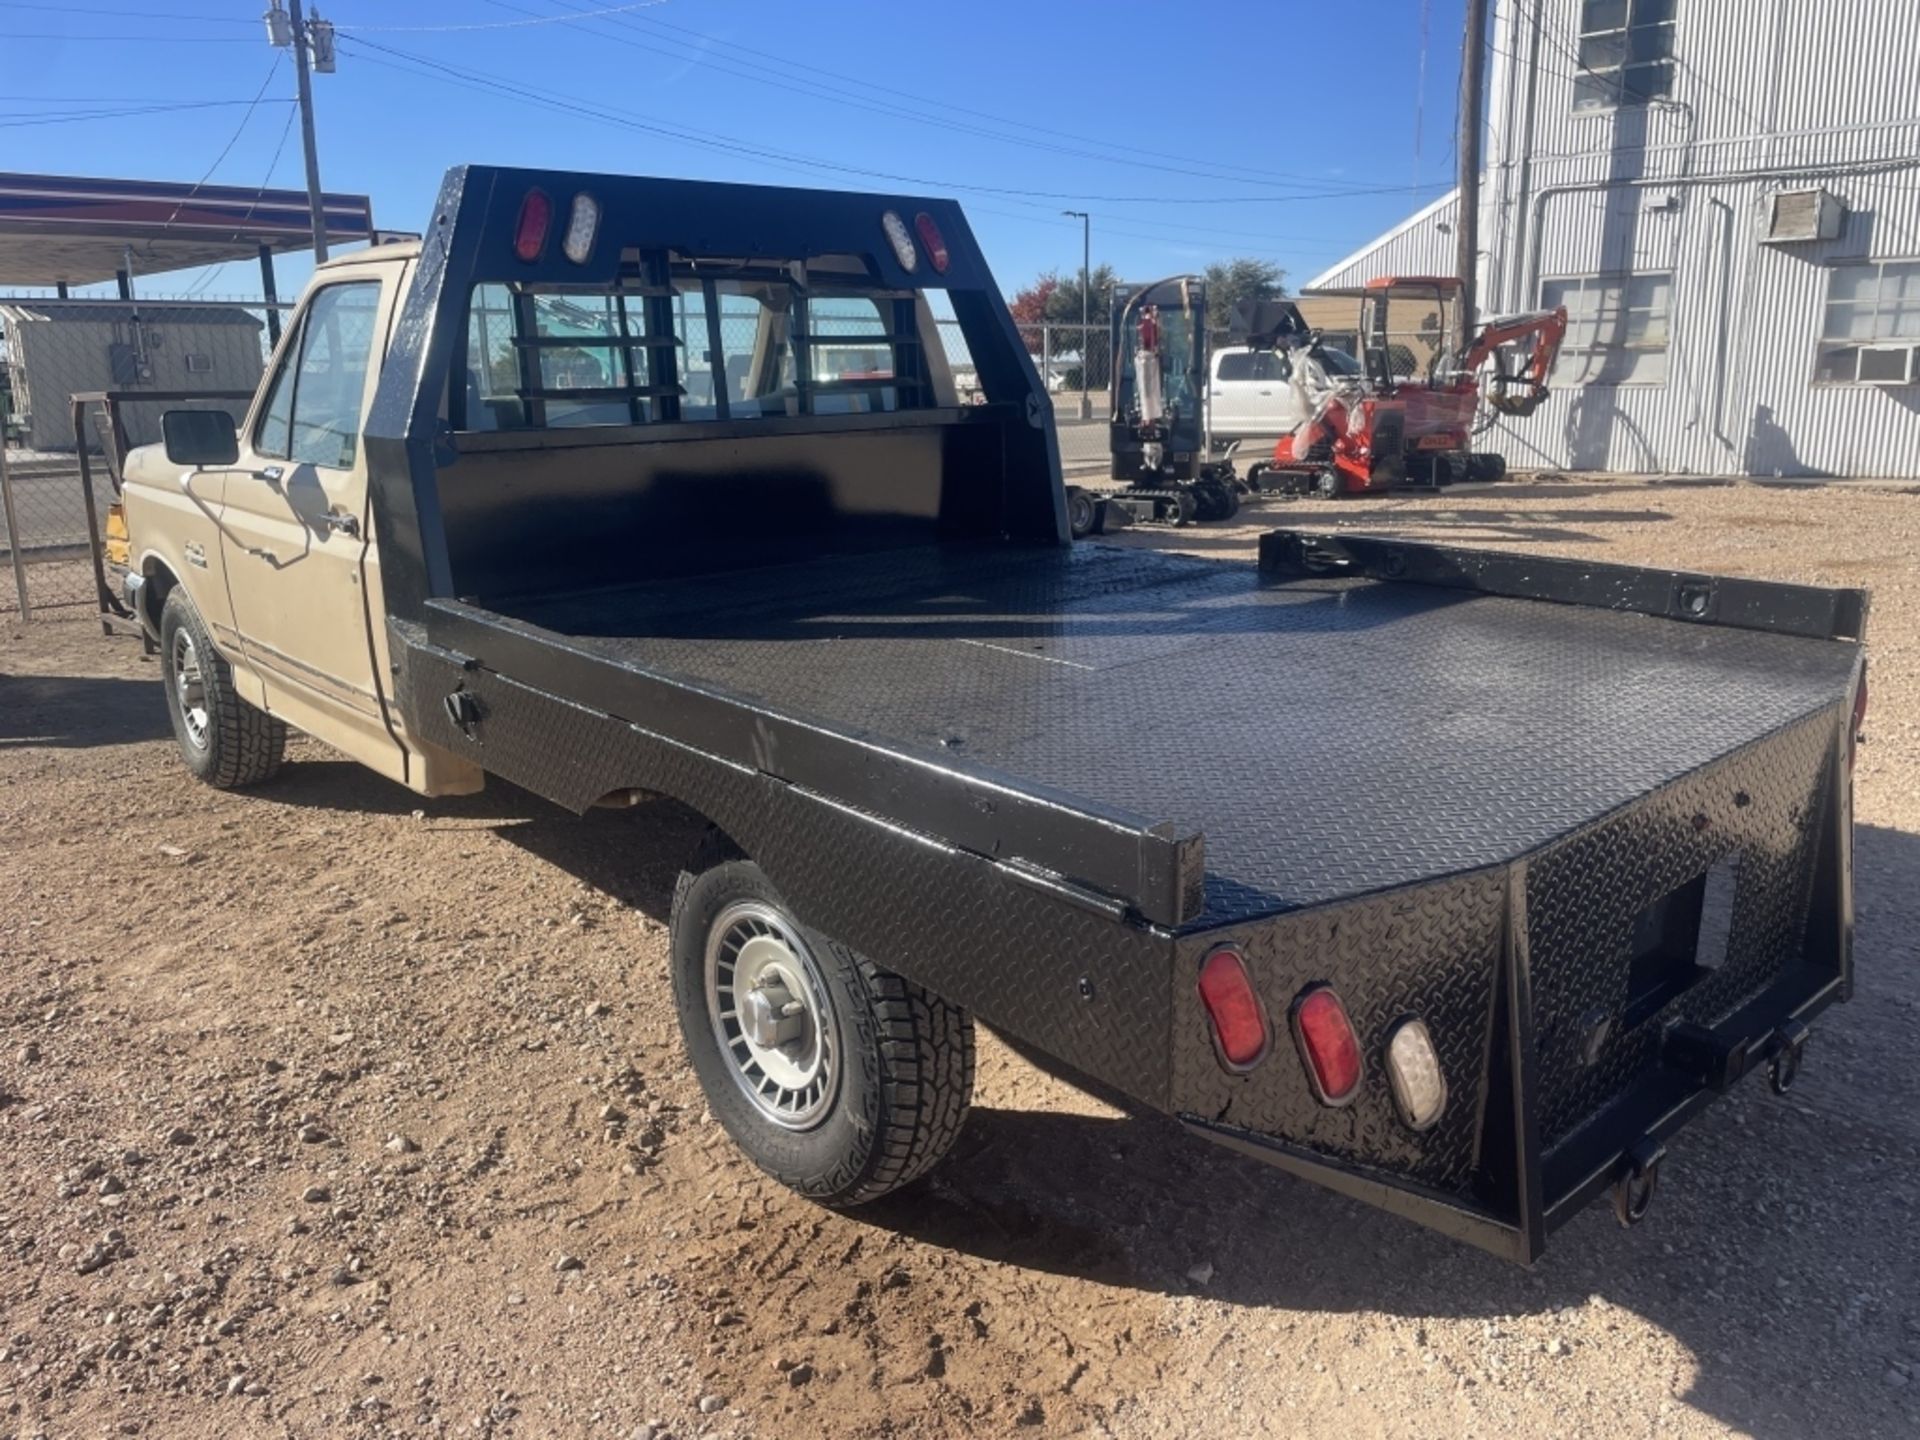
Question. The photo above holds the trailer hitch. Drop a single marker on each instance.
(1784, 1053)
(1639, 1178)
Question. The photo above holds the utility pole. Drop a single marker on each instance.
(1086, 302)
(292, 28)
(1466, 225)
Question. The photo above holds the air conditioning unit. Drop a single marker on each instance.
(1888, 364)
(1794, 216)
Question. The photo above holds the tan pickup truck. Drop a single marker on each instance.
(1455, 881)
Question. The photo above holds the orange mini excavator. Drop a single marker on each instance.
(1409, 416)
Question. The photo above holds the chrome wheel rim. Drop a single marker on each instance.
(771, 1014)
(189, 689)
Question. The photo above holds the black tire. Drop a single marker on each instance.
(1485, 467)
(1083, 514)
(231, 743)
(1180, 509)
(1328, 484)
(905, 1057)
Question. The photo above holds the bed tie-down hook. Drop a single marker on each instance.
(1639, 1178)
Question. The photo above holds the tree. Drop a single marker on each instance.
(1242, 278)
(1063, 305)
(1029, 306)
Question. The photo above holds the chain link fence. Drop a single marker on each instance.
(1075, 363)
(53, 351)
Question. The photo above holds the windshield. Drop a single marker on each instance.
(1176, 359)
(1337, 361)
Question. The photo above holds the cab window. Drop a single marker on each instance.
(313, 411)
(685, 338)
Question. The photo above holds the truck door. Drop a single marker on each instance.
(294, 530)
(1232, 392)
(1249, 393)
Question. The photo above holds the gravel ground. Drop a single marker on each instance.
(326, 1111)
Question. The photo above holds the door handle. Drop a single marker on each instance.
(341, 524)
(1266, 392)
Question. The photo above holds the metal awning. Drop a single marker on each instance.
(76, 230)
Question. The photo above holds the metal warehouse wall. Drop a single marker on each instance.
(1768, 95)
(1421, 245)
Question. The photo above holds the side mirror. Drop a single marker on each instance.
(200, 437)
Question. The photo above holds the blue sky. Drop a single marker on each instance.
(1193, 132)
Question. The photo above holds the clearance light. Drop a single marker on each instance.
(935, 242)
(1327, 1044)
(1239, 1022)
(1413, 1069)
(530, 231)
(582, 223)
(901, 241)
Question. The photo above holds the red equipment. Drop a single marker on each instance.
(1426, 412)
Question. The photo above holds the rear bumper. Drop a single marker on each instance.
(1569, 1068)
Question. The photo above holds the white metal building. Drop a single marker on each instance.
(1726, 196)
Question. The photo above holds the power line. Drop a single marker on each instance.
(232, 140)
(73, 117)
(205, 282)
(715, 140)
(498, 24)
(129, 39)
(126, 14)
(815, 91)
(1023, 130)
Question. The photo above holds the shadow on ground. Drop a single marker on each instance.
(1780, 1253)
(79, 711)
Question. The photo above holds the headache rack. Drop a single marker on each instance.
(664, 308)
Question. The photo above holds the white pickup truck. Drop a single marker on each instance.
(1253, 394)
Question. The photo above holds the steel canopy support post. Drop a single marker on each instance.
(13, 533)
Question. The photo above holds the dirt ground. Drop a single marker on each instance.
(327, 1111)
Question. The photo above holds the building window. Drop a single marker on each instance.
(1626, 53)
(1872, 330)
(1616, 328)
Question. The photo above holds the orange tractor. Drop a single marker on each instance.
(1410, 413)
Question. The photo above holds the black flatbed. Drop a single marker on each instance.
(1330, 736)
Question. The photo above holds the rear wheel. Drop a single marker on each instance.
(1083, 513)
(1329, 484)
(841, 1080)
(224, 741)
(1486, 467)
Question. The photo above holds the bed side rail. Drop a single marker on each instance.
(1811, 611)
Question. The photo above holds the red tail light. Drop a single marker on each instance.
(1859, 717)
(935, 243)
(1328, 1045)
(530, 231)
(1239, 1022)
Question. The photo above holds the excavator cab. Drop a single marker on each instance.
(1158, 436)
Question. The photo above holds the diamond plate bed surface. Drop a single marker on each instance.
(1330, 737)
